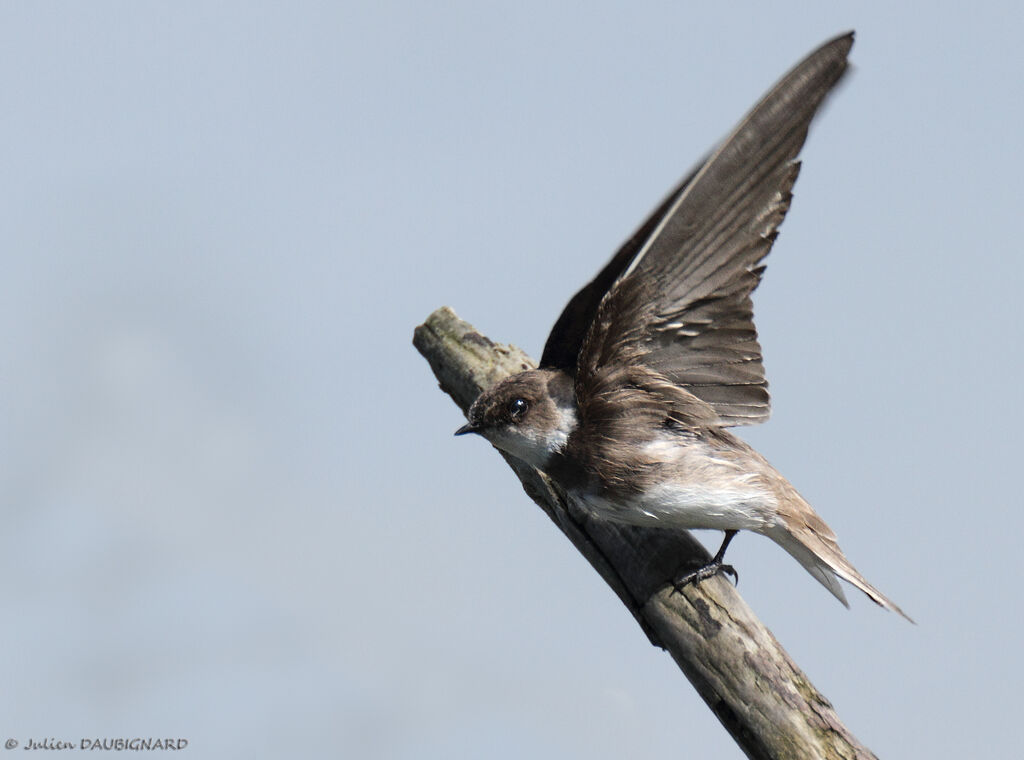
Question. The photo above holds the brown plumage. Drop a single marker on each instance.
(653, 359)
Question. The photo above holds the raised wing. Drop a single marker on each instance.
(682, 307)
(562, 349)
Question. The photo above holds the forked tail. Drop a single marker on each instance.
(822, 558)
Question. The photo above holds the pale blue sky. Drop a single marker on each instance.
(233, 508)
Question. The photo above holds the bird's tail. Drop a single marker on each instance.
(821, 557)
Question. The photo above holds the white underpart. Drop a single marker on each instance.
(689, 507)
(703, 491)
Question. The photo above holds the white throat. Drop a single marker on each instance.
(536, 445)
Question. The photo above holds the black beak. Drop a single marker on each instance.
(469, 427)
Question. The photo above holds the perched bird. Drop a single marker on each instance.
(652, 361)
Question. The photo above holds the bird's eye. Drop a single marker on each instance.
(517, 408)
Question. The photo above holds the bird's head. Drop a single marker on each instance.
(530, 415)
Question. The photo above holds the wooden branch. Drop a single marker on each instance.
(757, 692)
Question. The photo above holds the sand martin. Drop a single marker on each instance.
(651, 363)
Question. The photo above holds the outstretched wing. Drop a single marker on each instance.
(682, 307)
(562, 349)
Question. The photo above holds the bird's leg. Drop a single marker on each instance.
(713, 567)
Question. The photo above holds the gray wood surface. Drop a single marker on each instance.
(757, 692)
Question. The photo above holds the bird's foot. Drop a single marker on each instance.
(714, 567)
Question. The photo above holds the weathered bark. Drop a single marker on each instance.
(758, 693)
